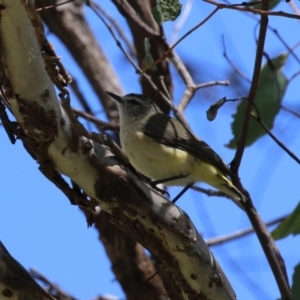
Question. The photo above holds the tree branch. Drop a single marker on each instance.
(53, 136)
(253, 10)
(16, 282)
(241, 233)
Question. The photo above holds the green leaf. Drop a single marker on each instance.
(290, 225)
(148, 61)
(296, 283)
(271, 89)
(166, 10)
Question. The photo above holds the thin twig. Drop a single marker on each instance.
(280, 144)
(54, 5)
(117, 27)
(167, 53)
(294, 76)
(211, 83)
(253, 10)
(87, 114)
(294, 7)
(80, 96)
(209, 192)
(162, 82)
(172, 57)
(190, 91)
(241, 233)
(183, 17)
(189, 82)
(136, 67)
(241, 74)
(290, 49)
(103, 125)
(52, 288)
(216, 193)
(133, 16)
(290, 111)
(181, 69)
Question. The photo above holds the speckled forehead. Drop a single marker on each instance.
(137, 97)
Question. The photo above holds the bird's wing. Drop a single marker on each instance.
(170, 132)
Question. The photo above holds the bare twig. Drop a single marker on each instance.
(110, 29)
(211, 83)
(80, 96)
(290, 49)
(296, 74)
(103, 125)
(52, 288)
(16, 282)
(183, 17)
(280, 144)
(137, 68)
(238, 234)
(232, 64)
(167, 53)
(54, 5)
(191, 89)
(131, 14)
(117, 27)
(253, 10)
(210, 193)
(294, 8)
(290, 111)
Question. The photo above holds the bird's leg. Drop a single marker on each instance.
(182, 192)
(155, 182)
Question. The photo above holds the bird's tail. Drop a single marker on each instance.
(226, 186)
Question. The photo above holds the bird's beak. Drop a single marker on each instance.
(116, 97)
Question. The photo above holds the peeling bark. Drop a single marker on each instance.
(56, 140)
(15, 282)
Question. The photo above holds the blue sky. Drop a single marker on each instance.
(43, 231)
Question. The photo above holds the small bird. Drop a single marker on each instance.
(164, 150)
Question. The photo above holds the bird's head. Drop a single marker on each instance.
(134, 105)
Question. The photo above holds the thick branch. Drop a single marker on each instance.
(54, 137)
(69, 24)
(16, 282)
(129, 262)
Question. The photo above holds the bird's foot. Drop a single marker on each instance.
(162, 191)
